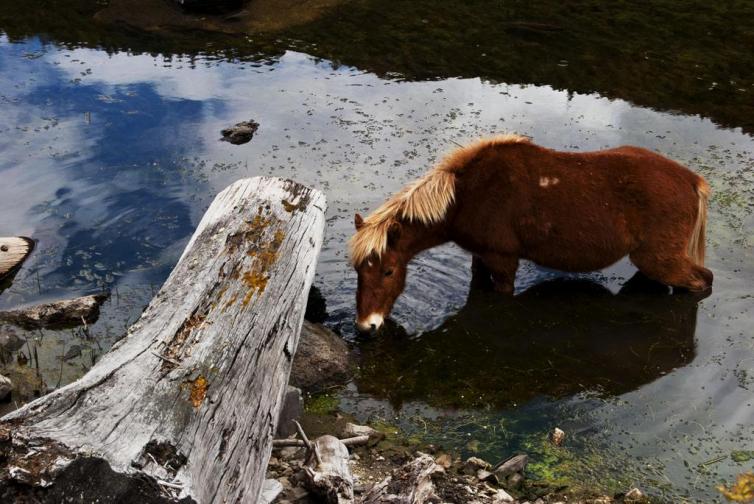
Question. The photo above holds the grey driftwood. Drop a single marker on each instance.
(409, 484)
(13, 251)
(184, 407)
(327, 473)
(68, 312)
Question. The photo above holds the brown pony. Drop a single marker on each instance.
(505, 198)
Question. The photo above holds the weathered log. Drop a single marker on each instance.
(13, 251)
(185, 405)
(68, 312)
(409, 484)
(328, 474)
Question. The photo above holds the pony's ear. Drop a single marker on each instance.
(358, 221)
(393, 232)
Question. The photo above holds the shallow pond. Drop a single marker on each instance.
(109, 159)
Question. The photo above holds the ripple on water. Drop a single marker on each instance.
(110, 159)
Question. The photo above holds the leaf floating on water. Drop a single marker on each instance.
(742, 490)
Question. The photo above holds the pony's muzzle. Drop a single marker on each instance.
(371, 323)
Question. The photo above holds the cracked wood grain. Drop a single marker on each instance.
(203, 371)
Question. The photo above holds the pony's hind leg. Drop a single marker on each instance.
(675, 270)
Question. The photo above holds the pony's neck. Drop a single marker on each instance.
(417, 237)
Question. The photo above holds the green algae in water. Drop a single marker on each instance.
(742, 456)
(321, 404)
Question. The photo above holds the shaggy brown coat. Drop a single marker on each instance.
(506, 198)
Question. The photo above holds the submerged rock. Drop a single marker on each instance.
(321, 361)
(70, 312)
(241, 133)
(10, 341)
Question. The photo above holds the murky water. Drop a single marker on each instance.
(110, 158)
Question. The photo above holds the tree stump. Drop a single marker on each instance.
(185, 405)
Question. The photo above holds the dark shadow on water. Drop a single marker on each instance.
(556, 339)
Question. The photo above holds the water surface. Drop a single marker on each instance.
(110, 157)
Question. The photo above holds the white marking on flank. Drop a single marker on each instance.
(547, 181)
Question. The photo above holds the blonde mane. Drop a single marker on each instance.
(425, 200)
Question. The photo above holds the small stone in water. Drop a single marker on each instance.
(502, 496)
(473, 464)
(444, 460)
(633, 495)
(240, 133)
(484, 475)
(557, 437)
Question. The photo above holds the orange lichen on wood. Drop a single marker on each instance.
(198, 391)
(264, 255)
(256, 281)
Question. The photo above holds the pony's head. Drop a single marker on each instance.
(382, 278)
(380, 248)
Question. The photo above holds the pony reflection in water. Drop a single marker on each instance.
(505, 199)
(558, 338)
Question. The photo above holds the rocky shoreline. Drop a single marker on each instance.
(450, 479)
(378, 466)
(324, 361)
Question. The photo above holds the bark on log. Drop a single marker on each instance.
(185, 405)
(13, 251)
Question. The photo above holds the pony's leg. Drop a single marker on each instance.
(481, 276)
(503, 268)
(675, 270)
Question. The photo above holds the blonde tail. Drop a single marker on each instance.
(696, 243)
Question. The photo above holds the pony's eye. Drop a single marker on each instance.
(388, 272)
